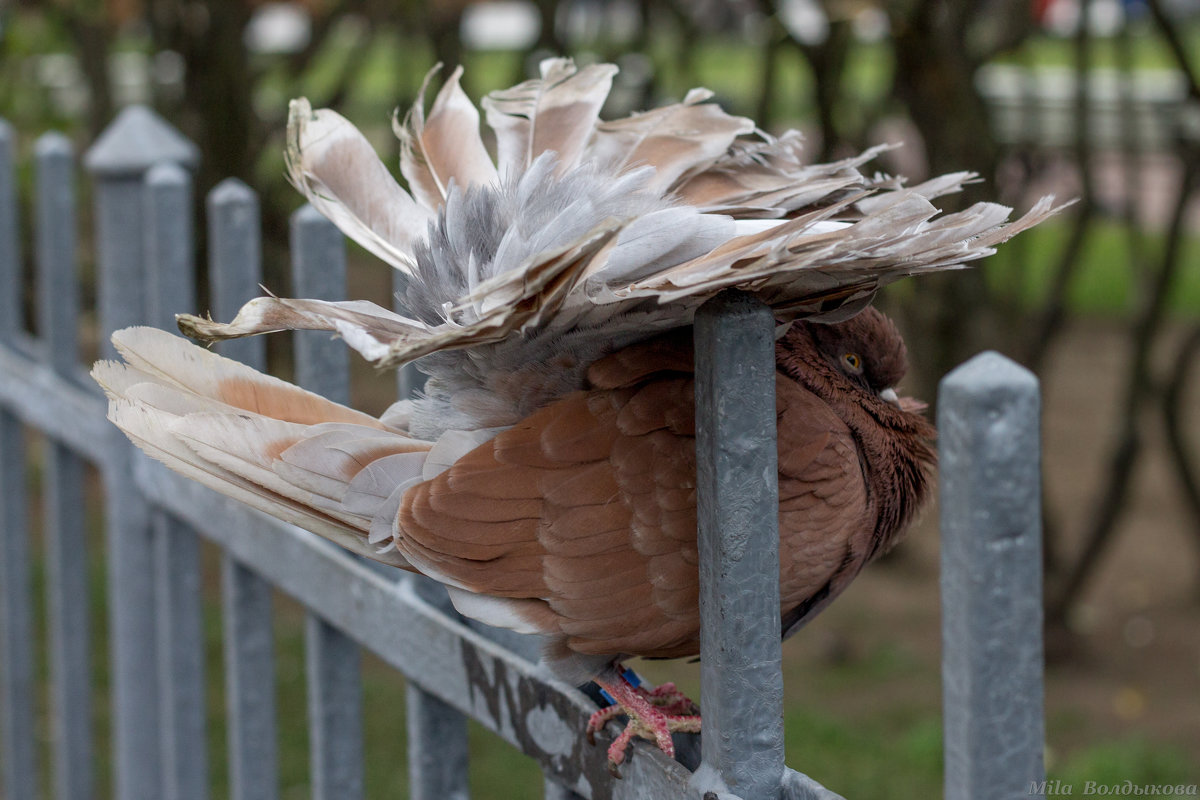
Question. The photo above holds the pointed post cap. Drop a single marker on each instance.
(135, 141)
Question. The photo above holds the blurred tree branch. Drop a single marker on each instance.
(1139, 387)
(91, 31)
(1053, 313)
(1140, 390)
(1187, 468)
(1170, 33)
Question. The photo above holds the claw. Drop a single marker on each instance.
(653, 714)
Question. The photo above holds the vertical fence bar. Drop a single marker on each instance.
(235, 271)
(335, 731)
(135, 141)
(409, 379)
(334, 681)
(438, 753)
(170, 245)
(437, 733)
(249, 682)
(319, 271)
(170, 285)
(18, 750)
(11, 312)
(17, 747)
(235, 265)
(738, 507)
(989, 441)
(67, 594)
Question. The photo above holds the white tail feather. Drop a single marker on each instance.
(280, 449)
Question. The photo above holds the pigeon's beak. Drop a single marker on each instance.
(889, 395)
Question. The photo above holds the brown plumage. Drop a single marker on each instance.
(593, 496)
(547, 475)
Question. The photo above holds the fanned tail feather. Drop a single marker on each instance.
(282, 450)
(336, 168)
(445, 147)
(554, 113)
(595, 232)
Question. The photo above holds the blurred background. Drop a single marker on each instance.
(1096, 100)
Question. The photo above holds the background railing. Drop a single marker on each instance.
(155, 520)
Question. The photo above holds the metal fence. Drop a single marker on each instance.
(155, 520)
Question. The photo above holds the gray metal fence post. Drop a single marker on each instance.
(409, 379)
(437, 733)
(738, 514)
(170, 286)
(335, 725)
(18, 750)
(11, 313)
(235, 270)
(136, 140)
(66, 551)
(990, 451)
(17, 695)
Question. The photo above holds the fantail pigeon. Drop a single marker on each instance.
(546, 475)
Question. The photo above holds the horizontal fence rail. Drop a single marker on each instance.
(456, 669)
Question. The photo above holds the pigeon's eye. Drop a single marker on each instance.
(852, 362)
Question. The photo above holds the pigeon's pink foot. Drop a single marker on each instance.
(653, 714)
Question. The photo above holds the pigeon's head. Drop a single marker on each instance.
(865, 350)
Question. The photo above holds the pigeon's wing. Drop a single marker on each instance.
(804, 264)
(580, 522)
(577, 523)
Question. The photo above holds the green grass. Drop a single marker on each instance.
(1106, 282)
(1147, 50)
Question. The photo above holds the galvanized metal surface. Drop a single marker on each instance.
(409, 379)
(437, 747)
(738, 508)
(41, 398)
(18, 751)
(57, 283)
(798, 786)
(10, 262)
(170, 261)
(335, 726)
(990, 455)
(181, 660)
(17, 695)
(249, 681)
(235, 263)
(438, 753)
(170, 245)
(118, 162)
(235, 271)
(135, 139)
(67, 595)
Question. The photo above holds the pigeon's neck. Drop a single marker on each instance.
(898, 461)
(894, 445)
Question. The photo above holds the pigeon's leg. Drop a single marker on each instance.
(653, 714)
